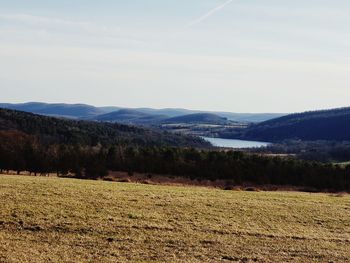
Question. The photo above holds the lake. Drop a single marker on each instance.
(237, 144)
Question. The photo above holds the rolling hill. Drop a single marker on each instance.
(75, 111)
(250, 117)
(56, 130)
(309, 126)
(237, 117)
(207, 118)
(130, 116)
(85, 112)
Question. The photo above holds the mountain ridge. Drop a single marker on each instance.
(85, 111)
(207, 118)
(332, 124)
(80, 132)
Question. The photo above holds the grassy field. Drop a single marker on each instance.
(67, 220)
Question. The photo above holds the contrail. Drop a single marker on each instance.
(209, 14)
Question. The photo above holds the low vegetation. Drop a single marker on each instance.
(67, 220)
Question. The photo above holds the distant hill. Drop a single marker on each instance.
(207, 118)
(317, 125)
(237, 117)
(121, 115)
(169, 112)
(250, 117)
(76, 111)
(85, 112)
(55, 130)
(130, 116)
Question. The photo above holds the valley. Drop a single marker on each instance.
(202, 131)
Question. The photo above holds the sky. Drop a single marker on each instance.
(225, 55)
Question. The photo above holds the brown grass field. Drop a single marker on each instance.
(69, 220)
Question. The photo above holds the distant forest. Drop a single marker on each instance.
(321, 151)
(21, 152)
(49, 130)
(42, 145)
(330, 125)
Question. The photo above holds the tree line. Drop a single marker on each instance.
(322, 151)
(22, 152)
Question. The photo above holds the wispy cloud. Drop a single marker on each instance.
(209, 14)
(51, 23)
(30, 29)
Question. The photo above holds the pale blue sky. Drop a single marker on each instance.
(239, 55)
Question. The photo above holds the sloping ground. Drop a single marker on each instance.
(198, 118)
(121, 115)
(66, 220)
(90, 133)
(83, 111)
(56, 109)
(130, 116)
(310, 126)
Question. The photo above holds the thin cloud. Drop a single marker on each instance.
(209, 14)
(57, 24)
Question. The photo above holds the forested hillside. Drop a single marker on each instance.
(331, 125)
(54, 130)
(207, 118)
(130, 117)
(84, 111)
(74, 111)
(41, 144)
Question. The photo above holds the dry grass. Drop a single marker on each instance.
(67, 220)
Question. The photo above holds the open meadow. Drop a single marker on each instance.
(69, 220)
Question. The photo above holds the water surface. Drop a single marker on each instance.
(236, 144)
